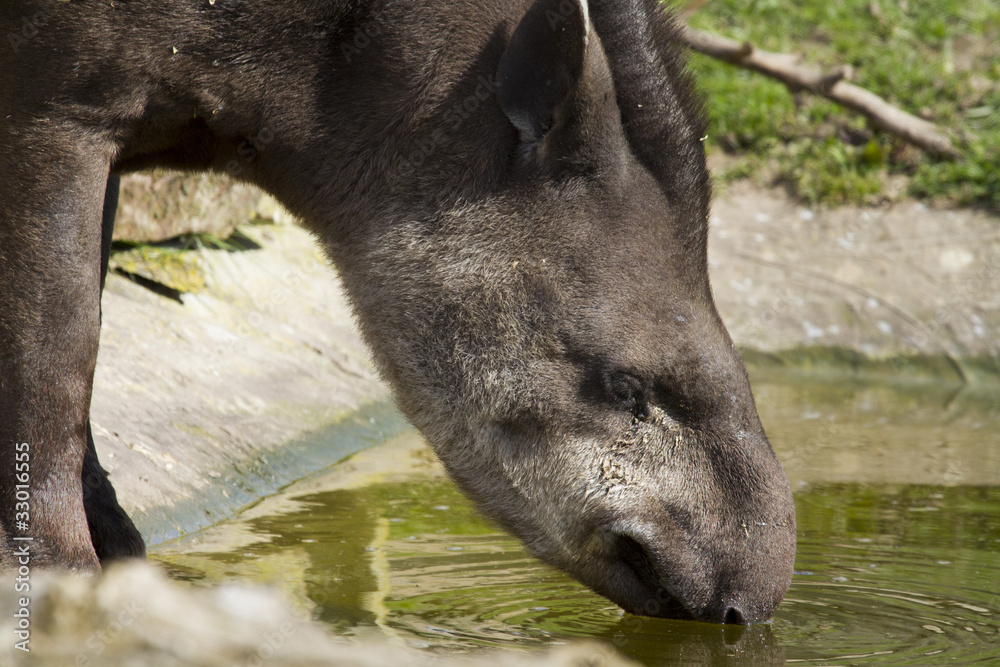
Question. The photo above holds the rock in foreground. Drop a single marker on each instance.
(134, 615)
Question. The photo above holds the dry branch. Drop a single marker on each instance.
(832, 85)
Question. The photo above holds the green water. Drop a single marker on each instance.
(898, 500)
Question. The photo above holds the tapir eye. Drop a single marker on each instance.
(627, 390)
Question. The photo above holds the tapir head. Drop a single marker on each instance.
(557, 342)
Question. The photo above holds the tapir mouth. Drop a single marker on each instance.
(645, 592)
(655, 598)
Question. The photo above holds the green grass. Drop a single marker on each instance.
(939, 59)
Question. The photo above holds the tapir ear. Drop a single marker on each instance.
(543, 64)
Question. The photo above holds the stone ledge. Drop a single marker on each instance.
(205, 404)
(901, 282)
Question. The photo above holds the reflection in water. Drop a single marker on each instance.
(846, 430)
(901, 568)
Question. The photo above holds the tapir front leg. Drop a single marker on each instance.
(112, 532)
(52, 183)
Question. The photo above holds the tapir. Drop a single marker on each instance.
(515, 196)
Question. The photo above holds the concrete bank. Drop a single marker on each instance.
(207, 401)
(903, 289)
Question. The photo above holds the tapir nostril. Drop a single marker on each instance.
(734, 617)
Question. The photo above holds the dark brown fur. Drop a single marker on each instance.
(518, 209)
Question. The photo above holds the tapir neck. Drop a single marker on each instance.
(350, 113)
